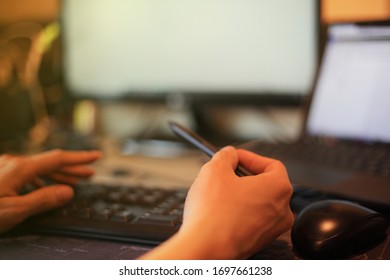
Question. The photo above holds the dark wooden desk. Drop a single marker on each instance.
(53, 247)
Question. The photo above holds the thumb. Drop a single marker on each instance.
(226, 158)
(45, 199)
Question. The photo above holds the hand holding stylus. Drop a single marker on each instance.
(231, 217)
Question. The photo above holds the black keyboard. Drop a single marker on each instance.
(130, 213)
(133, 213)
(121, 213)
(373, 159)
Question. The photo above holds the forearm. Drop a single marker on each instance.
(191, 244)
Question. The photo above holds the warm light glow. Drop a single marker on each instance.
(328, 225)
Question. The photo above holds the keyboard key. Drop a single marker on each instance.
(104, 214)
(123, 216)
(162, 220)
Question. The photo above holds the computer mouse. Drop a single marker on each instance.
(336, 229)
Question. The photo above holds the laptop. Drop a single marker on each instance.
(344, 148)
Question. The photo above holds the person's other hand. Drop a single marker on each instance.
(65, 167)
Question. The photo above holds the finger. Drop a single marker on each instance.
(14, 210)
(77, 171)
(221, 165)
(49, 161)
(225, 159)
(259, 164)
(10, 213)
(70, 175)
(44, 199)
(63, 179)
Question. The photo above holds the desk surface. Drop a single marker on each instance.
(53, 247)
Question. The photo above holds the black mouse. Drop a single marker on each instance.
(336, 229)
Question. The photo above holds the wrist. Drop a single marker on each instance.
(193, 244)
(206, 243)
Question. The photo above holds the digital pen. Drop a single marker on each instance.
(200, 143)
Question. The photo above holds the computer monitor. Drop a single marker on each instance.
(351, 98)
(204, 50)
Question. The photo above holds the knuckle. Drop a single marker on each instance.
(7, 156)
(285, 187)
(279, 164)
(57, 152)
(57, 156)
(17, 162)
(288, 188)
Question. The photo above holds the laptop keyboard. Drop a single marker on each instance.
(122, 213)
(373, 159)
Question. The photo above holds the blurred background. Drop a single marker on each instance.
(47, 101)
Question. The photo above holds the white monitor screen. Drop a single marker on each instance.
(352, 96)
(120, 47)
